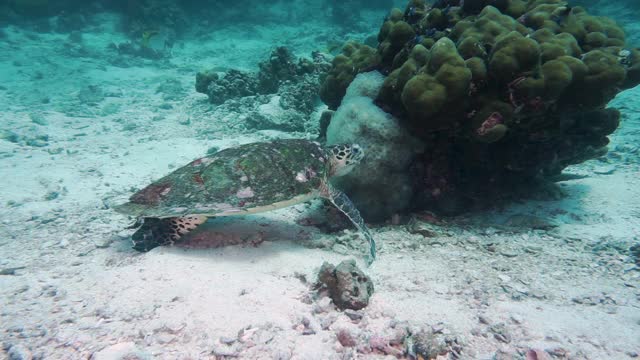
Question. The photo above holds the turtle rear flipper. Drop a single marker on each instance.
(344, 204)
(156, 232)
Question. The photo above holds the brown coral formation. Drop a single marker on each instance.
(503, 91)
(355, 58)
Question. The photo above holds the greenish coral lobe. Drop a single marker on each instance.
(355, 58)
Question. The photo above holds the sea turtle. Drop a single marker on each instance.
(246, 179)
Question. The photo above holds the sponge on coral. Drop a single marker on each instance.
(380, 186)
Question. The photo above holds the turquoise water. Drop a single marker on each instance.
(501, 188)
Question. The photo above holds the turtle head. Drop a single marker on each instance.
(343, 158)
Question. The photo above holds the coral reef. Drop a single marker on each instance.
(232, 84)
(502, 93)
(347, 285)
(355, 58)
(280, 69)
(284, 90)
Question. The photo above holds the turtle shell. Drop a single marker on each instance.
(249, 178)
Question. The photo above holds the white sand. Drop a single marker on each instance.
(84, 292)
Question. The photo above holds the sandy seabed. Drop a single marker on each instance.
(92, 127)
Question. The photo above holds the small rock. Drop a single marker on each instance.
(38, 119)
(11, 271)
(305, 327)
(51, 195)
(121, 351)
(308, 332)
(533, 249)
(16, 329)
(345, 338)
(605, 170)
(558, 352)
(245, 334)
(635, 253)
(227, 340)
(91, 94)
(348, 286)
(104, 243)
(422, 228)
(322, 306)
(164, 338)
(19, 352)
(353, 315)
(281, 354)
(476, 331)
(224, 351)
(529, 221)
(503, 354)
(340, 249)
(509, 253)
(516, 319)
(484, 320)
(523, 289)
(430, 345)
(499, 331)
(327, 321)
(10, 136)
(536, 354)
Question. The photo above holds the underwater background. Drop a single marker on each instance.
(500, 178)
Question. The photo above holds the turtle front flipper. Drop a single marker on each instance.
(156, 232)
(342, 202)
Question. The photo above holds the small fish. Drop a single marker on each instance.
(146, 37)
